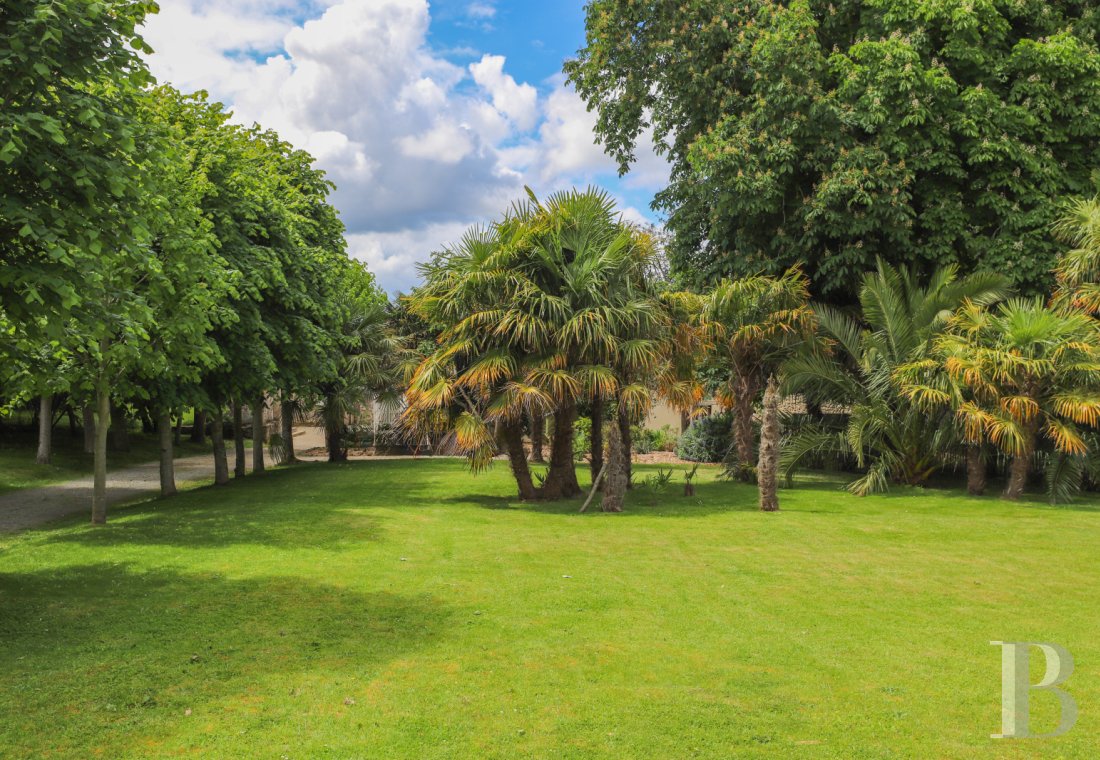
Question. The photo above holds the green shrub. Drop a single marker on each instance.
(645, 441)
(707, 440)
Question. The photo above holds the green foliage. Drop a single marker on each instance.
(646, 440)
(708, 439)
(835, 132)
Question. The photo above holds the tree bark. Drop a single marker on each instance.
(538, 436)
(628, 448)
(167, 465)
(198, 430)
(517, 458)
(975, 470)
(120, 429)
(685, 421)
(334, 441)
(767, 467)
(88, 414)
(45, 428)
(102, 426)
(217, 437)
(561, 478)
(744, 436)
(1018, 470)
(258, 435)
(239, 466)
(596, 437)
(286, 414)
(615, 488)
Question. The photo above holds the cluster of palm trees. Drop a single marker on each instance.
(554, 311)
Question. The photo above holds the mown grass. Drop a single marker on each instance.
(68, 461)
(399, 609)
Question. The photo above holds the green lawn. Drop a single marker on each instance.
(409, 609)
(68, 461)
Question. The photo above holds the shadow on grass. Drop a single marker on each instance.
(86, 646)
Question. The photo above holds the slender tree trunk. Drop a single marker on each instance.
(258, 435)
(148, 424)
(120, 429)
(167, 465)
(102, 426)
(239, 466)
(538, 436)
(45, 428)
(177, 428)
(217, 437)
(744, 436)
(975, 470)
(88, 414)
(561, 478)
(685, 421)
(198, 430)
(287, 420)
(767, 468)
(597, 437)
(615, 487)
(334, 441)
(628, 448)
(71, 414)
(517, 458)
(1018, 470)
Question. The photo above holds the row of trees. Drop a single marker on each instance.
(556, 310)
(155, 255)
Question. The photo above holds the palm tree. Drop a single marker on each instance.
(859, 364)
(752, 324)
(1032, 371)
(1078, 270)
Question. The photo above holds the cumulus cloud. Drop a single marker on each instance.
(418, 146)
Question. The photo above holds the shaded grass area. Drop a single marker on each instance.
(68, 461)
(408, 609)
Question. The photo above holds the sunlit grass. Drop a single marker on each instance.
(409, 609)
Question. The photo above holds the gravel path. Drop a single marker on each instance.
(31, 507)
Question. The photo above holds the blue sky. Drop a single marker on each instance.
(430, 117)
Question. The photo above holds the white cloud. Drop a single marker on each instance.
(419, 147)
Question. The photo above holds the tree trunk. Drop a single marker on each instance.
(217, 437)
(597, 437)
(177, 428)
(767, 467)
(167, 465)
(102, 426)
(744, 437)
(975, 470)
(517, 457)
(88, 413)
(1018, 470)
(71, 414)
(615, 487)
(561, 478)
(258, 435)
(120, 429)
(45, 428)
(628, 447)
(239, 466)
(685, 421)
(538, 436)
(334, 441)
(198, 430)
(286, 414)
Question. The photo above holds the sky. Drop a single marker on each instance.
(430, 117)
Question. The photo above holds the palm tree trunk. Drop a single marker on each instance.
(561, 478)
(597, 437)
(217, 437)
(198, 430)
(628, 447)
(286, 413)
(1021, 465)
(616, 478)
(538, 436)
(167, 465)
(517, 458)
(102, 425)
(45, 428)
(975, 470)
(239, 466)
(744, 436)
(767, 467)
(258, 435)
(88, 414)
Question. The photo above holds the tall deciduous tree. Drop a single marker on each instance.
(835, 132)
